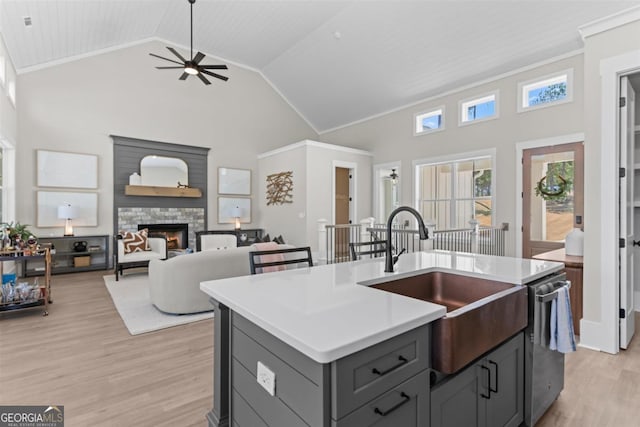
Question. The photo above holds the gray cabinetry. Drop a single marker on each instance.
(487, 393)
(384, 385)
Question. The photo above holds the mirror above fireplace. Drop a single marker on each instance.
(161, 171)
(164, 177)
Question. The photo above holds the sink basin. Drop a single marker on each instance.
(481, 314)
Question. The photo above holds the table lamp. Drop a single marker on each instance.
(67, 212)
(237, 213)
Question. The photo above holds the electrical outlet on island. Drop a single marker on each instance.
(267, 379)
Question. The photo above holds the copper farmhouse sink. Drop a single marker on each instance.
(480, 314)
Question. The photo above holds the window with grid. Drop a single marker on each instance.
(455, 192)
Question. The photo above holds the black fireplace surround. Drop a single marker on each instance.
(177, 234)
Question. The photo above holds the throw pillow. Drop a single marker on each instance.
(135, 242)
(266, 238)
(279, 240)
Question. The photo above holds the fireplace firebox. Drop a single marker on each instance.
(177, 234)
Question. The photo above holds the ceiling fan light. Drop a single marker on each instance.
(189, 69)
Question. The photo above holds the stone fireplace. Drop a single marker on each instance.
(129, 219)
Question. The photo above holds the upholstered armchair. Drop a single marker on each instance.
(132, 251)
(210, 242)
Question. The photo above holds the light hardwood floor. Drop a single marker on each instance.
(81, 356)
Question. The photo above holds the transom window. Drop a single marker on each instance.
(480, 108)
(544, 91)
(429, 122)
(454, 192)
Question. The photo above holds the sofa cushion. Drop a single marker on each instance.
(135, 242)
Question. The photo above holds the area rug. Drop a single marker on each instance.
(131, 297)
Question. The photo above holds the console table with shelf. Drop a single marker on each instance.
(245, 237)
(44, 296)
(95, 257)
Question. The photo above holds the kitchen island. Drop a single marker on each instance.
(318, 346)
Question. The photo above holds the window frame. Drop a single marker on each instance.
(3, 70)
(476, 100)
(456, 158)
(522, 86)
(440, 110)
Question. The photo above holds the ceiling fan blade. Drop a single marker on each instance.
(175, 52)
(204, 79)
(169, 68)
(184, 76)
(196, 59)
(166, 59)
(214, 67)
(218, 76)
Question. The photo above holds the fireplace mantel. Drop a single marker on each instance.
(148, 190)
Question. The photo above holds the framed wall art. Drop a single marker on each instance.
(85, 206)
(70, 170)
(230, 208)
(234, 181)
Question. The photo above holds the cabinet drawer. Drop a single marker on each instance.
(405, 405)
(361, 377)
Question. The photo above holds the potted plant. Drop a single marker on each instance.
(15, 231)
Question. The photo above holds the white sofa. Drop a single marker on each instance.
(174, 283)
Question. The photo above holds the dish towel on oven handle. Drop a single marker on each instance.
(561, 323)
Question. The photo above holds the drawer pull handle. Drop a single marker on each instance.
(405, 399)
(487, 396)
(402, 360)
(496, 366)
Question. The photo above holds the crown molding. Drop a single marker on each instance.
(609, 22)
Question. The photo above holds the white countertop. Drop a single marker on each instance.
(327, 313)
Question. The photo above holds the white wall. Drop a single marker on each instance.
(8, 118)
(391, 138)
(76, 106)
(599, 47)
(312, 164)
(8, 138)
(320, 177)
(289, 219)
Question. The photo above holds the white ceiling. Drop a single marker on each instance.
(389, 53)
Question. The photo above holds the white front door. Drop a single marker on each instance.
(627, 148)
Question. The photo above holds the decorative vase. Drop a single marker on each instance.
(135, 179)
(574, 243)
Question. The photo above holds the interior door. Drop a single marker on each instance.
(627, 148)
(552, 196)
(342, 211)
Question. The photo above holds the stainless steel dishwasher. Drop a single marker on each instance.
(543, 368)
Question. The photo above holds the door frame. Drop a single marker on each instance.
(578, 185)
(376, 185)
(604, 335)
(353, 193)
(520, 147)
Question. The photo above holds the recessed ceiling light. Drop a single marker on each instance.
(337, 35)
(27, 21)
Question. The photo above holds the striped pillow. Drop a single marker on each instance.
(135, 242)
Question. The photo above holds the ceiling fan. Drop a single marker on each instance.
(192, 66)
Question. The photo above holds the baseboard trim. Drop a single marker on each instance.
(590, 335)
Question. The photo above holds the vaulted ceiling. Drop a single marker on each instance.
(336, 62)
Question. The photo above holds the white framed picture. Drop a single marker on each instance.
(69, 170)
(230, 208)
(85, 206)
(234, 181)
